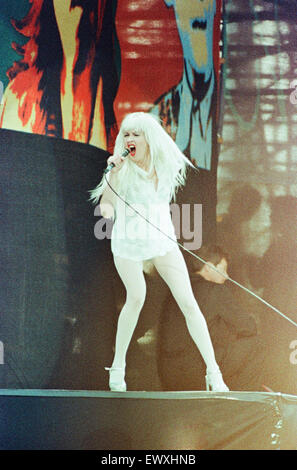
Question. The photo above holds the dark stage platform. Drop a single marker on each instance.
(90, 420)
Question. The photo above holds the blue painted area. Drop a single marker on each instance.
(10, 9)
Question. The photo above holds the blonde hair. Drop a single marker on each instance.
(169, 162)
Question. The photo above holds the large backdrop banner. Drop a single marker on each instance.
(73, 68)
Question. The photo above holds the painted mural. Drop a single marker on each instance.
(72, 69)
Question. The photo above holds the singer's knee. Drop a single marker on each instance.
(189, 307)
(136, 299)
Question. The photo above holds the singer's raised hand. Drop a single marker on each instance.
(118, 162)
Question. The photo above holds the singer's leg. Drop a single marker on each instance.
(131, 273)
(172, 268)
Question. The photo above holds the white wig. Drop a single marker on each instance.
(170, 163)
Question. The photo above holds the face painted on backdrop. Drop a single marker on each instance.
(135, 141)
(194, 20)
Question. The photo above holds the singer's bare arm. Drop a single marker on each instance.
(107, 201)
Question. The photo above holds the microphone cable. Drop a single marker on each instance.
(202, 260)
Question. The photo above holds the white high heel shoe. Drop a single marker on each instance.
(215, 382)
(117, 379)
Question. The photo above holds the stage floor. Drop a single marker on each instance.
(103, 420)
(178, 395)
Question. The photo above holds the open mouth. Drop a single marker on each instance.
(132, 149)
(199, 24)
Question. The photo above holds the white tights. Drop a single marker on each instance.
(172, 268)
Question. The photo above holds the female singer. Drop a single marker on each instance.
(148, 179)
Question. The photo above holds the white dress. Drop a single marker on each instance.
(133, 237)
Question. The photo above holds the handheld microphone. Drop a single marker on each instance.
(112, 165)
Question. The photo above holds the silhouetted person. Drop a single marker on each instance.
(276, 271)
(276, 274)
(244, 203)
